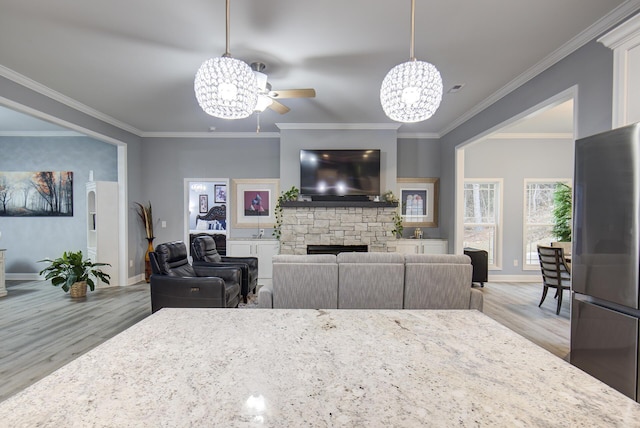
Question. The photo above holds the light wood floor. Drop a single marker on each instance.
(42, 328)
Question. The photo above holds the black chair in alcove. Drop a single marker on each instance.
(175, 283)
(204, 253)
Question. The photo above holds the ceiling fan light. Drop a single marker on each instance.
(263, 103)
(262, 81)
(411, 91)
(226, 87)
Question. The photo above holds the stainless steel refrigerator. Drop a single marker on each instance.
(605, 267)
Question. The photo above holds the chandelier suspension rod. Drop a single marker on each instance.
(226, 52)
(413, 29)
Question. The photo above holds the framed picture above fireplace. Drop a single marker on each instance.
(418, 203)
(254, 202)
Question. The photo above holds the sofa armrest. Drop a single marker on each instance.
(227, 273)
(476, 300)
(265, 297)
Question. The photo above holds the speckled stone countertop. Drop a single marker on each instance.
(307, 368)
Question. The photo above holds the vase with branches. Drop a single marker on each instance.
(146, 217)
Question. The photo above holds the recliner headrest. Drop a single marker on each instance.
(172, 259)
(204, 249)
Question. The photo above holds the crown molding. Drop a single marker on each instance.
(210, 135)
(57, 96)
(418, 135)
(621, 34)
(347, 126)
(41, 134)
(531, 136)
(597, 28)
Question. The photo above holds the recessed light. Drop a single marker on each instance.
(455, 88)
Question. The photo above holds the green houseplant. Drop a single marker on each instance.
(73, 273)
(289, 195)
(388, 196)
(562, 212)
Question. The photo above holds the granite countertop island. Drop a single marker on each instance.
(326, 368)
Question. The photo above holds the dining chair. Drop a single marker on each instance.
(555, 272)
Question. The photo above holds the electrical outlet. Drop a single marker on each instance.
(515, 262)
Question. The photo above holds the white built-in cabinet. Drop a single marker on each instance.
(422, 246)
(625, 42)
(102, 227)
(263, 249)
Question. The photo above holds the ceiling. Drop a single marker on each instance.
(133, 63)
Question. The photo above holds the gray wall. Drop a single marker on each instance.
(168, 161)
(590, 68)
(419, 158)
(513, 161)
(29, 239)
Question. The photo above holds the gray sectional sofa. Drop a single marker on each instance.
(371, 281)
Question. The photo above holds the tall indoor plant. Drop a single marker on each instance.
(562, 212)
(74, 273)
(146, 217)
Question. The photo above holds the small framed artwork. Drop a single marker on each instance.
(220, 192)
(254, 202)
(204, 203)
(418, 201)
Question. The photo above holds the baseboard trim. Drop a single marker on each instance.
(135, 279)
(23, 277)
(37, 277)
(515, 278)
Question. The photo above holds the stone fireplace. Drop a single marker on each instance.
(337, 223)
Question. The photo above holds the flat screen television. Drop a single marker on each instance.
(340, 172)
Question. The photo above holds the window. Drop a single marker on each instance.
(482, 200)
(538, 217)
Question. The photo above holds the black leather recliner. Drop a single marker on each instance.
(204, 253)
(177, 284)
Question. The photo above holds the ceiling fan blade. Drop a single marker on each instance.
(293, 93)
(279, 107)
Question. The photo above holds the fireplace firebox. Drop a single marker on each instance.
(335, 249)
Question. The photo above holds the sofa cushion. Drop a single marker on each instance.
(370, 280)
(440, 281)
(354, 257)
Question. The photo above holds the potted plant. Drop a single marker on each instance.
(289, 195)
(73, 273)
(388, 196)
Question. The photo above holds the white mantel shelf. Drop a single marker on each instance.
(293, 368)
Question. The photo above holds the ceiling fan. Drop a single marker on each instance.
(268, 98)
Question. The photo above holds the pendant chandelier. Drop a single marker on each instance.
(226, 87)
(411, 91)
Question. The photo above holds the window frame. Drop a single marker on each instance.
(499, 204)
(525, 224)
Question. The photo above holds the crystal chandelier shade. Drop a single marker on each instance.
(226, 87)
(411, 91)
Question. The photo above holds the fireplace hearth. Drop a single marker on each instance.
(335, 249)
